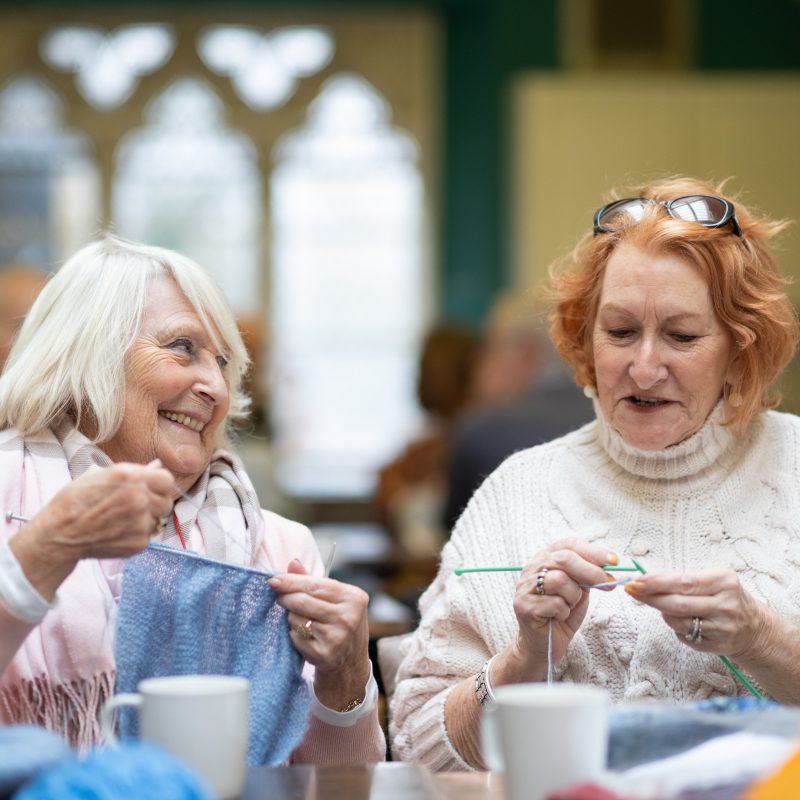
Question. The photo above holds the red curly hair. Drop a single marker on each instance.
(747, 290)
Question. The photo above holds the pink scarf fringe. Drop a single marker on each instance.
(69, 709)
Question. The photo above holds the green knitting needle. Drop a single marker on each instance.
(725, 660)
(637, 567)
(464, 570)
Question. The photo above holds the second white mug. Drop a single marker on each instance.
(546, 737)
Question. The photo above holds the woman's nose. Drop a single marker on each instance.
(210, 382)
(647, 368)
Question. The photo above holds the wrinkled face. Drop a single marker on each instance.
(178, 395)
(660, 353)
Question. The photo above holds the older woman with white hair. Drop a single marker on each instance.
(130, 361)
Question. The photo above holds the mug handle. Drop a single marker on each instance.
(107, 718)
(490, 739)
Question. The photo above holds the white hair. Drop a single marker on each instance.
(69, 356)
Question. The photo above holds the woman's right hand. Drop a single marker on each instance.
(572, 565)
(106, 513)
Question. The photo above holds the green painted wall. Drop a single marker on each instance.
(485, 44)
(748, 34)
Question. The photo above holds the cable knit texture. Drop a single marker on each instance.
(712, 501)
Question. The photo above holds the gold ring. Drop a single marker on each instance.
(303, 629)
(160, 525)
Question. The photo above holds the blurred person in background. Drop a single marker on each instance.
(523, 394)
(19, 286)
(411, 489)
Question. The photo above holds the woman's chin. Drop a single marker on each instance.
(649, 437)
(186, 467)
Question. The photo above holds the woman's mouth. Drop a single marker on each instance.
(646, 402)
(182, 419)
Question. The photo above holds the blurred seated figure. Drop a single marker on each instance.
(411, 489)
(19, 286)
(524, 395)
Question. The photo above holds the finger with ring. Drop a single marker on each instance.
(160, 525)
(540, 576)
(695, 633)
(303, 629)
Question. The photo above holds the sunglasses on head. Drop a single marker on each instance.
(705, 209)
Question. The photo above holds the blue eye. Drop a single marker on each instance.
(619, 333)
(222, 361)
(187, 345)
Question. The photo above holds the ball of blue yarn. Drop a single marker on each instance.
(25, 751)
(133, 770)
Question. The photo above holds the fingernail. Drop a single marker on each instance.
(634, 588)
(613, 559)
(156, 462)
(275, 582)
(610, 578)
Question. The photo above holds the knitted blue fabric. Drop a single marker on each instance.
(182, 614)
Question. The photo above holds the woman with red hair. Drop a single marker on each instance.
(675, 320)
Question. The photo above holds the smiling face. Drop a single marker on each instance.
(177, 393)
(660, 353)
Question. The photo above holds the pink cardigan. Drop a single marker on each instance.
(26, 653)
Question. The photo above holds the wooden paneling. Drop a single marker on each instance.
(577, 137)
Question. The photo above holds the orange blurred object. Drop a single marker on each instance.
(781, 785)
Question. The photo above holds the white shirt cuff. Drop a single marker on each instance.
(17, 593)
(344, 719)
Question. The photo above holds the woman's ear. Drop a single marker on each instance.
(731, 389)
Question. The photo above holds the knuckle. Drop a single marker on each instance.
(682, 608)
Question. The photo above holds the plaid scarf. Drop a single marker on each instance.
(65, 671)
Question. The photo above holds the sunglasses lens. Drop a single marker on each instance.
(699, 208)
(622, 212)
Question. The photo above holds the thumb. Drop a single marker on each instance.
(296, 567)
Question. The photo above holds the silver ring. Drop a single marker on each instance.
(303, 629)
(540, 580)
(695, 634)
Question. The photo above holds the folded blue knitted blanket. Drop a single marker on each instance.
(183, 614)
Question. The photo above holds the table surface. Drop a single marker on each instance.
(390, 781)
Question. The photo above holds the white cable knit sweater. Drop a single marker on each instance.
(710, 501)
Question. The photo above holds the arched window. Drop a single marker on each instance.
(107, 64)
(346, 200)
(49, 186)
(187, 182)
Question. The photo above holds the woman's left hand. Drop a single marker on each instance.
(329, 627)
(709, 611)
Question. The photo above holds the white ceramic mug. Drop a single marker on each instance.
(201, 719)
(546, 737)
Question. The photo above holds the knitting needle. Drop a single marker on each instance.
(465, 570)
(11, 515)
(329, 561)
(724, 659)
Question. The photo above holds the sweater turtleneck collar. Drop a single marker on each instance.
(702, 452)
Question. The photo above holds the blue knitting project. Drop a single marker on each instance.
(182, 614)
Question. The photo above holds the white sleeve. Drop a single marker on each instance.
(17, 593)
(344, 719)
